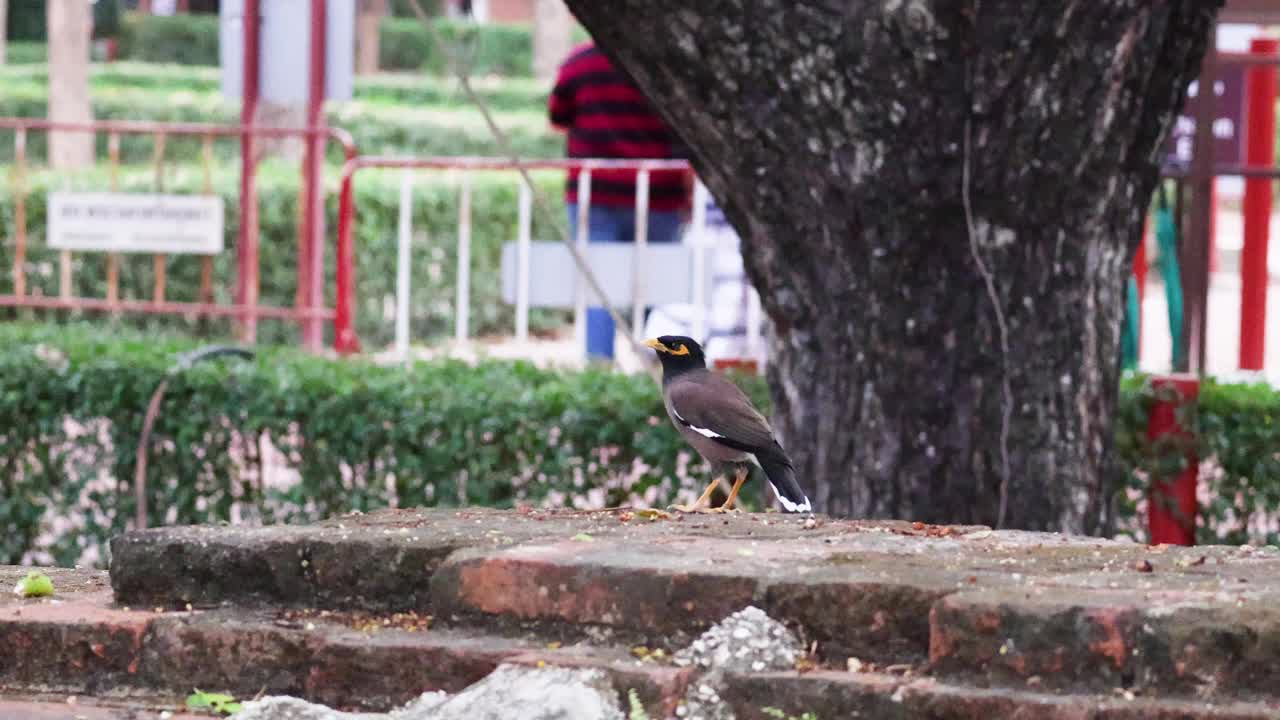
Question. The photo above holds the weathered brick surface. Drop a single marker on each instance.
(1011, 636)
(324, 659)
(1188, 641)
(1219, 646)
(307, 567)
(227, 651)
(350, 661)
(79, 708)
(865, 613)
(991, 624)
(885, 697)
(389, 668)
(75, 644)
(603, 584)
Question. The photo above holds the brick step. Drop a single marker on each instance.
(888, 697)
(81, 643)
(111, 658)
(71, 707)
(972, 605)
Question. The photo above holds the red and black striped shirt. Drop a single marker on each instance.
(606, 116)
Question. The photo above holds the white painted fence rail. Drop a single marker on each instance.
(542, 273)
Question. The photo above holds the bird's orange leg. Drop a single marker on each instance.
(697, 505)
(737, 485)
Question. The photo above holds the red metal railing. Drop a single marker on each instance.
(246, 307)
(344, 337)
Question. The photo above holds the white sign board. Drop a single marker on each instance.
(136, 223)
(554, 275)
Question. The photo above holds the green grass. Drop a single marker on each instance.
(412, 89)
(378, 127)
(22, 53)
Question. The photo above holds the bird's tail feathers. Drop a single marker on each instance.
(782, 478)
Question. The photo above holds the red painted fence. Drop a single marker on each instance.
(246, 307)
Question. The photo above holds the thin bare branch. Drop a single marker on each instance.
(461, 70)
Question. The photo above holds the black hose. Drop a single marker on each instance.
(185, 361)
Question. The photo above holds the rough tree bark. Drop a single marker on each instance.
(70, 24)
(841, 137)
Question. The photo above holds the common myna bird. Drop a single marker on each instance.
(720, 422)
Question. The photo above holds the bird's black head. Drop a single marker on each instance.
(678, 354)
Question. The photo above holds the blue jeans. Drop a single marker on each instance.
(614, 224)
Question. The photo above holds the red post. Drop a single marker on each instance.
(344, 334)
(1171, 504)
(247, 245)
(1140, 275)
(1260, 139)
(1140, 261)
(311, 264)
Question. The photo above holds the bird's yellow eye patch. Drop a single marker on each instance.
(657, 344)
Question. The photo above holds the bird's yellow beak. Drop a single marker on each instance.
(657, 345)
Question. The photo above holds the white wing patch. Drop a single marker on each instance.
(701, 431)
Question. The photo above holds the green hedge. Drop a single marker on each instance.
(25, 53)
(404, 8)
(184, 39)
(108, 18)
(1238, 432)
(497, 49)
(377, 128)
(354, 435)
(26, 20)
(351, 435)
(499, 93)
(404, 44)
(494, 208)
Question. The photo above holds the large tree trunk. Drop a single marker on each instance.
(552, 37)
(892, 168)
(70, 24)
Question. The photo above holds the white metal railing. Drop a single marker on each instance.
(524, 241)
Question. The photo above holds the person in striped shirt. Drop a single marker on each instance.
(604, 115)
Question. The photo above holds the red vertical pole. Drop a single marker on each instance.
(344, 335)
(1171, 504)
(1260, 137)
(247, 244)
(1140, 261)
(1140, 269)
(311, 264)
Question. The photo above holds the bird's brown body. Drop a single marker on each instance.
(693, 390)
(719, 421)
